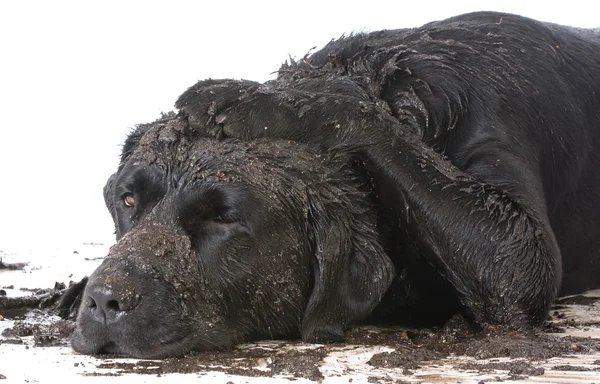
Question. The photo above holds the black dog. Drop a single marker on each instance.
(446, 169)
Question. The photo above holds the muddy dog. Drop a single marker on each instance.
(400, 176)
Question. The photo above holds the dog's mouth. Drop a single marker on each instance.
(142, 345)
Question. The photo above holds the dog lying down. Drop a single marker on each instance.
(398, 176)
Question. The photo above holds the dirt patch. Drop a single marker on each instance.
(427, 346)
(46, 330)
(517, 370)
(12, 266)
(282, 360)
(407, 359)
(299, 363)
(412, 349)
(579, 299)
(391, 336)
(570, 368)
(532, 345)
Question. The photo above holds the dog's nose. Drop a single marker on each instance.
(108, 304)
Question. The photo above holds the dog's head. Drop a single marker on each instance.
(221, 242)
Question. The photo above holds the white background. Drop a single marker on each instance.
(76, 76)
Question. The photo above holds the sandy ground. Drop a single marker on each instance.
(566, 351)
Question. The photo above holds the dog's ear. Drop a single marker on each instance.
(350, 267)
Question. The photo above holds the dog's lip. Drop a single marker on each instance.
(168, 348)
(96, 343)
(100, 340)
(159, 350)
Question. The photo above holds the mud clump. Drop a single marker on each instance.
(46, 330)
(516, 369)
(405, 358)
(13, 307)
(299, 364)
(575, 368)
(12, 266)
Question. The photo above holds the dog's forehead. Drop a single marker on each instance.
(174, 149)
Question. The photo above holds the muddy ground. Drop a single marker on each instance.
(388, 354)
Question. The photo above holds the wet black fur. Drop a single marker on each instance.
(475, 142)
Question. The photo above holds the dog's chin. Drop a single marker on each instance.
(153, 348)
(160, 340)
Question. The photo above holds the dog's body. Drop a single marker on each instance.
(473, 142)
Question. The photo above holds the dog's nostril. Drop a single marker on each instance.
(113, 305)
(91, 302)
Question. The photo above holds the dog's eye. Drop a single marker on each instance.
(129, 200)
(225, 218)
